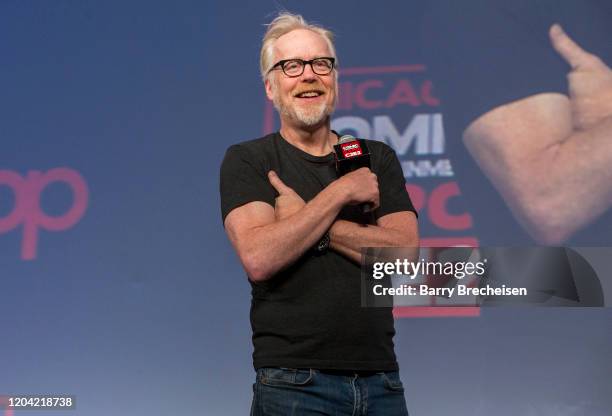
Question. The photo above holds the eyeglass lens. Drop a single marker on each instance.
(294, 67)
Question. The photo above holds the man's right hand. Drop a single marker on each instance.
(360, 186)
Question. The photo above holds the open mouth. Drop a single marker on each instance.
(309, 94)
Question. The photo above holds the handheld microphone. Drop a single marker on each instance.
(351, 154)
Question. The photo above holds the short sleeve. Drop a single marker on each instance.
(392, 185)
(242, 180)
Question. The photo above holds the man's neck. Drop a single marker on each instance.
(318, 141)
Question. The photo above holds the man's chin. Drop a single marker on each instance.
(313, 119)
(305, 118)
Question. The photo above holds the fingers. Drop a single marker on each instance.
(568, 49)
(279, 185)
(363, 184)
(374, 203)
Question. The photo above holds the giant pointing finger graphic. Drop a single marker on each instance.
(569, 50)
(589, 81)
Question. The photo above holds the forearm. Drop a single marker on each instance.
(573, 181)
(274, 246)
(348, 238)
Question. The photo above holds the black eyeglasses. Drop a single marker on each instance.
(295, 67)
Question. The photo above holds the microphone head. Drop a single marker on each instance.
(351, 154)
(346, 138)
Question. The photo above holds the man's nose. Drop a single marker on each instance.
(308, 73)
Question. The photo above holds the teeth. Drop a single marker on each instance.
(309, 94)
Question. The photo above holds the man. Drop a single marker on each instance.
(298, 231)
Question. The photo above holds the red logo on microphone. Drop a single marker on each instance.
(351, 149)
(27, 209)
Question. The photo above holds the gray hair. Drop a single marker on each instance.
(284, 23)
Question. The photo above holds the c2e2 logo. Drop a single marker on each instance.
(27, 210)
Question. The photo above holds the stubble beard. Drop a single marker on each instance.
(304, 116)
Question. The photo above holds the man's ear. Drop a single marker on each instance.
(269, 88)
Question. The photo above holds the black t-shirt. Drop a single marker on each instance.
(486, 53)
(309, 315)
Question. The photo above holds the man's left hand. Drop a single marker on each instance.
(288, 201)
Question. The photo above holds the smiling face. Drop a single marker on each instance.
(307, 100)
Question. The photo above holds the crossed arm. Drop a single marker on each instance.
(269, 239)
(549, 155)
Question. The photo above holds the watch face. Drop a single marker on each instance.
(323, 243)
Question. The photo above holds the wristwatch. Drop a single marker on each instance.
(323, 245)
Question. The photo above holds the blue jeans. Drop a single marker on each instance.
(297, 392)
